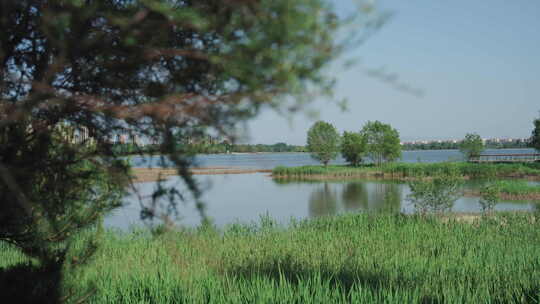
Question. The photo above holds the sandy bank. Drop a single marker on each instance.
(153, 174)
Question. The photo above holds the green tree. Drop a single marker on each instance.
(67, 193)
(279, 147)
(353, 147)
(323, 142)
(158, 69)
(382, 142)
(535, 136)
(471, 146)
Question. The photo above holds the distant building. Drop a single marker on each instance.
(74, 135)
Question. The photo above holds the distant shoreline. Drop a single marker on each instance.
(290, 152)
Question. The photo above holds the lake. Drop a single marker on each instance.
(271, 160)
(245, 197)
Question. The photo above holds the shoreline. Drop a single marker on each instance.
(143, 175)
(402, 172)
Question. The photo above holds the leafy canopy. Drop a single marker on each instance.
(471, 146)
(323, 142)
(353, 147)
(382, 142)
(161, 70)
(157, 69)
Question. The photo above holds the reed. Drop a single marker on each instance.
(472, 170)
(412, 170)
(329, 171)
(359, 258)
(517, 187)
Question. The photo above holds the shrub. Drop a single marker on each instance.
(490, 195)
(437, 193)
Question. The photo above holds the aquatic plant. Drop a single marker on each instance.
(490, 196)
(436, 194)
(415, 170)
(358, 258)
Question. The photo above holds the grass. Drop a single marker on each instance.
(512, 190)
(472, 170)
(328, 171)
(411, 170)
(517, 187)
(358, 258)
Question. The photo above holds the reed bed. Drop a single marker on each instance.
(517, 187)
(472, 170)
(412, 170)
(355, 258)
(321, 171)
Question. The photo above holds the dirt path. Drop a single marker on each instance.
(143, 175)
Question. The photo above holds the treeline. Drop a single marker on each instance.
(278, 147)
(218, 148)
(128, 149)
(489, 144)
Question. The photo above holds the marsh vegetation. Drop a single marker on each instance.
(412, 170)
(360, 258)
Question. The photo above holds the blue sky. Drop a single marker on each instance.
(477, 62)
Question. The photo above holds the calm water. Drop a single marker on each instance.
(271, 160)
(245, 197)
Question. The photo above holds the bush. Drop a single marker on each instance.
(490, 195)
(471, 146)
(435, 194)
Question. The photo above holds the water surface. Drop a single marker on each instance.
(245, 197)
(271, 160)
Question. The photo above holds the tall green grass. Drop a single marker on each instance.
(361, 258)
(398, 170)
(473, 170)
(321, 170)
(329, 171)
(517, 187)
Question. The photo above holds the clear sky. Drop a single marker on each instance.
(477, 62)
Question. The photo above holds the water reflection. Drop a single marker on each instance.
(335, 197)
(322, 201)
(331, 198)
(245, 197)
(355, 196)
(365, 196)
(389, 197)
